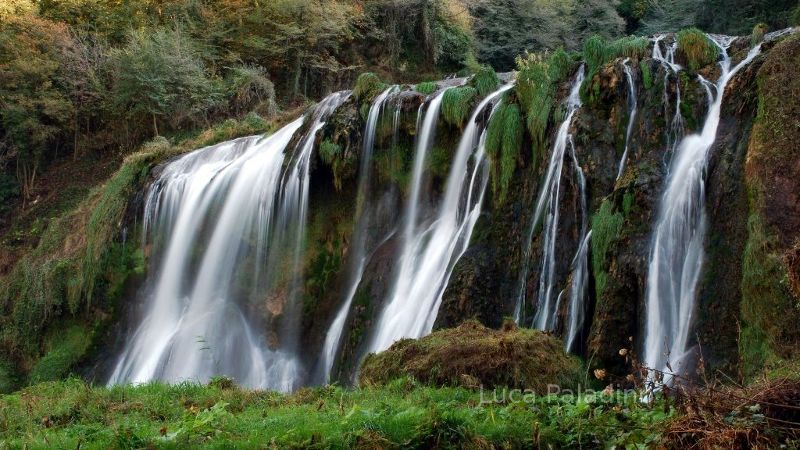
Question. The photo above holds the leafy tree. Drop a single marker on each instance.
(159, 75)
(738, 17)
(598, 18)
(665, 16)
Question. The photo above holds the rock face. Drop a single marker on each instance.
(472, 355)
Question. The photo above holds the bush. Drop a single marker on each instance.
(472, 355)
(696, 48)
(248, 88)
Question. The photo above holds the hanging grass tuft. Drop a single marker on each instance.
(606, 226)
(485, 80)
(697, 48)
(367, 87)
(457, 104)
(503, 144)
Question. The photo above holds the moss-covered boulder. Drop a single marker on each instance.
(473, 355)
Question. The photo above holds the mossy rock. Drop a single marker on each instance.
(472, 355)
(65, 350)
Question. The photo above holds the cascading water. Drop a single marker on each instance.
(360, 251)
(431, 250)
(576, 313)
(676, 255)
(675, 130)
(546, 311)
(231, 221)
(633, 107)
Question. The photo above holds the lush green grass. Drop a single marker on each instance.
(71, 414)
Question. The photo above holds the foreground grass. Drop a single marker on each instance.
(403, 414)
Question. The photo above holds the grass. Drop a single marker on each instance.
(647, 74)
(597, 52)
(457, 104)
(503, 145)
(403, 414)
(606, 226)
(698, 50)
(426, 87)
(472, 355)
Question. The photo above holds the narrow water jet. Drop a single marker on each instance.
(359, 250)
(632, 110)
(430, 251)
(547, 202)
(677, 253)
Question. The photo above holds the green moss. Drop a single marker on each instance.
(485, 80)
(9, 380)
(697, 48)
(503, 144)
(606, 226)
(438, 162)
(367, 87)
(65, 349)
(794, 17)
(647, 74)
(457, 104)
(627, 202)
(512, 357)
(426, 88)
(754, 351)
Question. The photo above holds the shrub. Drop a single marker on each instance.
(457, 104)
(758, 33)
(473, 355)
(249, 88)
(426, 87)
(698, 50)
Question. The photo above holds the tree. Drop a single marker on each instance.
(598, 18)
(159, 74)
(665, 16)
(34, 107)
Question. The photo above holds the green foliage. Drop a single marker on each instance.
(485, 80)
(503, 144)
(160, 74)
(426, 87)
(457, 104)
(606, 226)
(249, 89)
(367, 87)
(9, 380)
(401, 414)
(666, 16)
(597, 52)
(698, 50)
(795, 17)
(66, 347)
(647, 74)
(757, 35)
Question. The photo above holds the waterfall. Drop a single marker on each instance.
(576, 313)
(549, 195)
(675, 130)
(676, 254)
(431, 250)
(633, 106)
(359, 251)
(226, 225)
